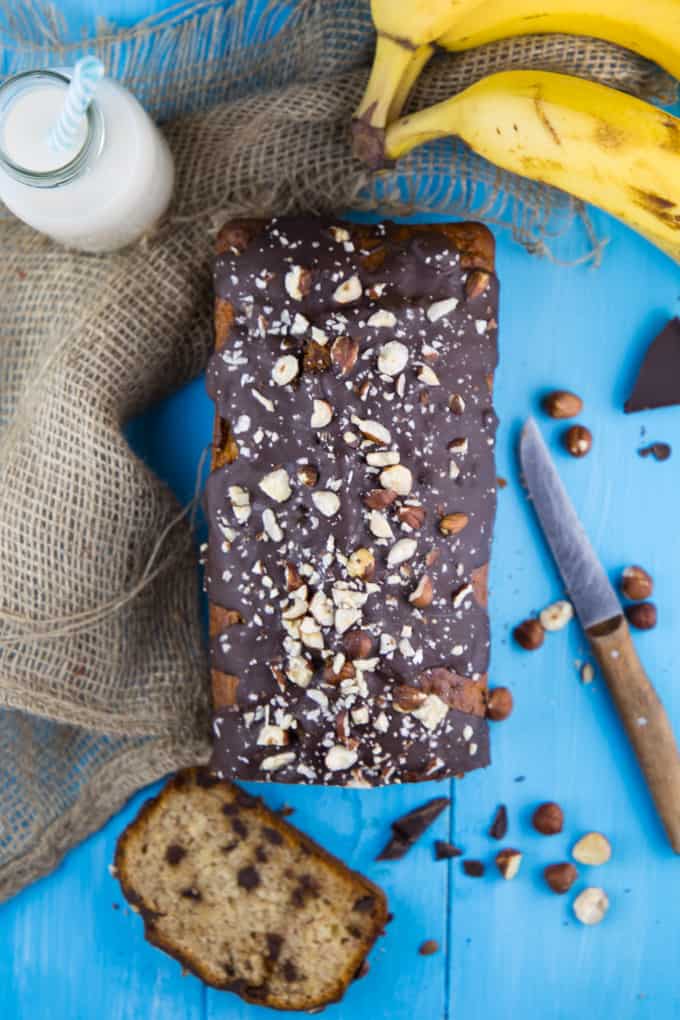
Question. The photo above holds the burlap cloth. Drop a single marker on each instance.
(103, 672)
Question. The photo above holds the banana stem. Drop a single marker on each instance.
(390, 63)
(416, 64)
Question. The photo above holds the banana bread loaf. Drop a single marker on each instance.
(352, 499)
(244, 900)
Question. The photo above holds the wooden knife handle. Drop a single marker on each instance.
(644, 717)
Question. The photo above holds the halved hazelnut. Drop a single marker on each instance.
(285, 370)
(308, 475)
(557, 615)
(508, 862)
(402, 550)
(349, 290)
(322, 414)
(592, 849)
(344, 354)
(453, 524)
(361, 563)
(422, 595)
(393, 358)
(398, 478)
(326, 502)
(591, 905)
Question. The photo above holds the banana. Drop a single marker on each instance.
(405, 28)
(601, 145)
(650, 28)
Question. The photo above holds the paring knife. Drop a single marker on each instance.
(601, 616)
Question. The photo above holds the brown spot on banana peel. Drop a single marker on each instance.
(658, 206)
(673, 139)
(607, 136)
(545, 121)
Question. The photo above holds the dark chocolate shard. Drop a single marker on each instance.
(660, 451)
(444, 851)
(658, 381)
(410, 827)
(499, 825)
(174, 853)
(475, 869)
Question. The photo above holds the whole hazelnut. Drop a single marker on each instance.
(636, 584)
(591, 905)
(578, 440)
(562, 404)
(499, 704)
(529, 634)
(642, 615)
(357, 644)
(560, 877)
(548, 818)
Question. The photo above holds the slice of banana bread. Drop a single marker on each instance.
(244, 900)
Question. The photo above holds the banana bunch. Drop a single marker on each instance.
(599, 144)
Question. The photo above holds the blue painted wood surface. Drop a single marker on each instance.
(71, 950)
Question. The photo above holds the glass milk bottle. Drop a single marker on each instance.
(112, 187)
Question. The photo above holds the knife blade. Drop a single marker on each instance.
(589, 588)
(599, 610)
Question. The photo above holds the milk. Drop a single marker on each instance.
(112, 187)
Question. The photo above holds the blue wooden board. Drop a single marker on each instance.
(71, 950)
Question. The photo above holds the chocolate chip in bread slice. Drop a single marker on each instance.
(244, 900)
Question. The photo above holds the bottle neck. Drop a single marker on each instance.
(16, 87)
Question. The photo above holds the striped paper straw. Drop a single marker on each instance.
(79, 95)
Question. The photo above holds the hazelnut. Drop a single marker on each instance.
(429, 947)
(560, 877)
(408, 699)
(591, 905)
(346, 672)
(562, 404)
(293, 579)
(529, 634)
(412, 516)
(456, 403)
(593, 849)
(344, 354)
(379, 499)
(548, 818)
(556, 616)
(636, 584)
(476, 283)
(357, 644)
(499, 704)
(642, 615)
(578, 440)
(453, 524)
(361, 564)
(316, 357)
(308, 475)
(508, 862)
(422, 595)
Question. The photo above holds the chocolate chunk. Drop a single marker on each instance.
(229, 809)
(190, 893)
(307, 888)
(174, 853)
(273, 835)
(410, 827)
(239, 827)
(660, 451)
(261, 854)
(248, 878)
(475, 869)
(658, 381)
(364, 905)
(290, 971)
(499, 825)
(444, 851)
(274, 944)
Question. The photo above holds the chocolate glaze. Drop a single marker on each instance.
(280, 290)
